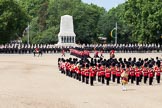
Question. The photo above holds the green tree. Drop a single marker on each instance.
(13, 20)
(108, 22)
(85, 17)
(145, 16)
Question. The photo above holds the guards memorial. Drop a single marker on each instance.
(66, 36)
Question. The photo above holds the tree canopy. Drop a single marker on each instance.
(13, 20)
(139, 21)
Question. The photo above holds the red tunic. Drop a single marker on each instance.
(91, 72)
(145, 71)
(118, 72)
(150, 73)
(113, 71)
(137, 72)
(157, 71)
(108, 73)
(86, 72)
(82, 71)
(132, 73)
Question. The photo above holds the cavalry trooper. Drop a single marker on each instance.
(96, 54)
(101, 54)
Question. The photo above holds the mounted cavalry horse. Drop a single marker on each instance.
(37, 51)
(112, 53)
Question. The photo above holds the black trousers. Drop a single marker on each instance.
(137, 80)
(132, 79)
(87, 79)
(150, 80)
(71, 74)
(107, 81)
(83, 78)
(79, 77)
(158, 79)
(118, 79)
(66, 72)
(113, 77)
(129, 77)
(91, 80)
(141, 77)
(103, 79)
(99, 78)
(145, 79)
(94, 78)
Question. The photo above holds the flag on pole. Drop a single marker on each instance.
(111, 33)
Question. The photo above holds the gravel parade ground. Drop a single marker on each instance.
(35, 82)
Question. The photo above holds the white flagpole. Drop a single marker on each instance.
(116, 37)
(28, 33)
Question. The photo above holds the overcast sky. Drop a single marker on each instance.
(107, 4)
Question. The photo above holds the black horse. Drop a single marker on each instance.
(39, 52)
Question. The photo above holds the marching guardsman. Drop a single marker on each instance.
(95, 69)
(141, 74)
(67, 66)
(137, 73)
(150, 74)
(102, 72)
(63, 66)
(113, 72)
(157, 71)
(145, 72)
(86, 73)
(82, 73)
(73, 71)
(107, 74)
(132, 73)
(118, 73)
(99, 69)
(91, 74)
(70, 68)
(78, 72)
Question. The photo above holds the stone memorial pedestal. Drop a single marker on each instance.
(66, 36)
